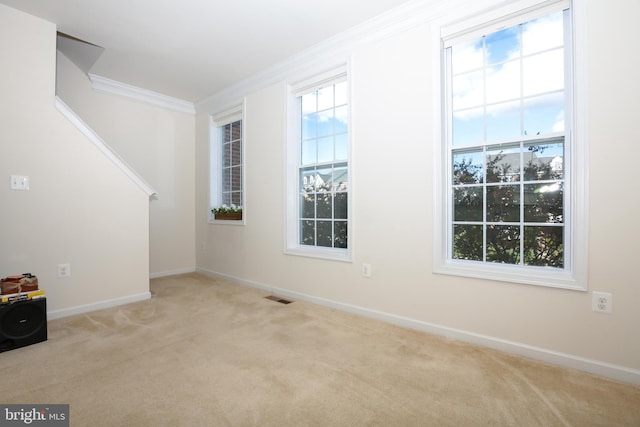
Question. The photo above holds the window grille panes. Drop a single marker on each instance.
(231, 170)
(323, 172)
(506, 141)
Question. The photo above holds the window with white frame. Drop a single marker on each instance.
(318, 156)
(226, 182)
(509, 148)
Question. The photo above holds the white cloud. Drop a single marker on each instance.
(503, 82)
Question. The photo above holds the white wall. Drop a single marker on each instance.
(80, 209)
(392, 122)
(159, 144)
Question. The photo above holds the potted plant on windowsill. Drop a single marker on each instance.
(224, 212)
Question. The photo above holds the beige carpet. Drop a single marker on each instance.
(204, 352)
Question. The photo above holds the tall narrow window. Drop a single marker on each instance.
(321, 217)
(509, 153)
(227, 189)
(231, 174)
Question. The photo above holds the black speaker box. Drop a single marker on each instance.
(23, 323)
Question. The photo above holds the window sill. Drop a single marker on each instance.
(213, 221)
(342, 255)
(538, 276)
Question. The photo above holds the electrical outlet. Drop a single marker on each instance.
(64, 270)
(19, 182)
(366, 270)
(602, 302)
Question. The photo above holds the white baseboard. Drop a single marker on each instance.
(57, 314)
(171, 272)
(596, 367)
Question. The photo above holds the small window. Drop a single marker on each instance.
(318, 218)
(227, 188)
(508, 147)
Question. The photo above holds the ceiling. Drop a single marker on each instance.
(191, 49)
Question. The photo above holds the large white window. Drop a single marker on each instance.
(509, 184)
(318, 175)
(226, 182)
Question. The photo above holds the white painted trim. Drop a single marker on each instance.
(335, 51)
(292, 247)
(229, 115)
(574, 275)
(87, 308)
(172, 272)
(216, 122)
(113, 87)
(580, 138)
(489, 20)
(604, 369)
(103, 147)
(249, 283)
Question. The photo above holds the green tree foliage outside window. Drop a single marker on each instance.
(323, 171)
(506, 143)
(517, 212)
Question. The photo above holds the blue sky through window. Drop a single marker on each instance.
(324, 125)
(509, 83)
(502, 45)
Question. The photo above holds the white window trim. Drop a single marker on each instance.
(218, 120)
(574, 277)
(292, 152)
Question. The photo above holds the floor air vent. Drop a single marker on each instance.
(278, 299)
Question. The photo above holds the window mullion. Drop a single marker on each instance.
(320, 161)
(522, 202)
(497, 132)
(485, 194)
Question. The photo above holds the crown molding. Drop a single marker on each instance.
(334, 51)
(113, 87)
(103, 147)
